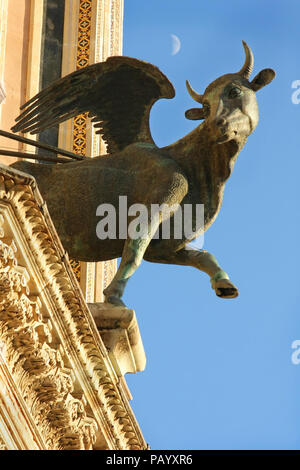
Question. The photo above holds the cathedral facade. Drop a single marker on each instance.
(62, 363)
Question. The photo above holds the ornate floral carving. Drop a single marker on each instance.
(40, 367)
(2, 444)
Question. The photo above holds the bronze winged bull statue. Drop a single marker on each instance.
(118, 95)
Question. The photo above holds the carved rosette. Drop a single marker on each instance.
(52, 346)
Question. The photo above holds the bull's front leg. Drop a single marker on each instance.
(204, 261)
(169, 191)
(132, 256)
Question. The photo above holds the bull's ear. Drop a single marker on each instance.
(195, 114)
(263, 78)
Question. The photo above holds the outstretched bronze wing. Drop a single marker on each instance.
(118, 95)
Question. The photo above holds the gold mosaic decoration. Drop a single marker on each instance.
(82, 60)
(76, 266)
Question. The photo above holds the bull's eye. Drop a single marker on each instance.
(234, 92)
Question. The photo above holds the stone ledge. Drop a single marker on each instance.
(120, 333)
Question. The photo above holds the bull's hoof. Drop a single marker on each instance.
(114, 300)
(223, 287)
(227, 292)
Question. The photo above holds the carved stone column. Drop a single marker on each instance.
(93, 31)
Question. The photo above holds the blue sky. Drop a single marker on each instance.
(219, 372)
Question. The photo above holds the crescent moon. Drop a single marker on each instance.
(176, 44)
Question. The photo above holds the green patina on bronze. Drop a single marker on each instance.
(119, 94)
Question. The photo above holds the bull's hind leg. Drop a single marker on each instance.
(204, 261)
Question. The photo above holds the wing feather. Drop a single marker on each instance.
(118, 95)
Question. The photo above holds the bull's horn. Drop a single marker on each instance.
(247, 68)
(193, 93)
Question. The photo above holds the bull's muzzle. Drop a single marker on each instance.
(224, 130)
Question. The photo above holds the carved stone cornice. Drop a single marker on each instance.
(2, 445)
(53, 349)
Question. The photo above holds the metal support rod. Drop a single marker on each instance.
(32, 156)
(51, 148)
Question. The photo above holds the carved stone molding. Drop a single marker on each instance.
(120, 333)
(2, 445)
(53, 350)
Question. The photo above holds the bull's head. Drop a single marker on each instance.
(229, 103)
